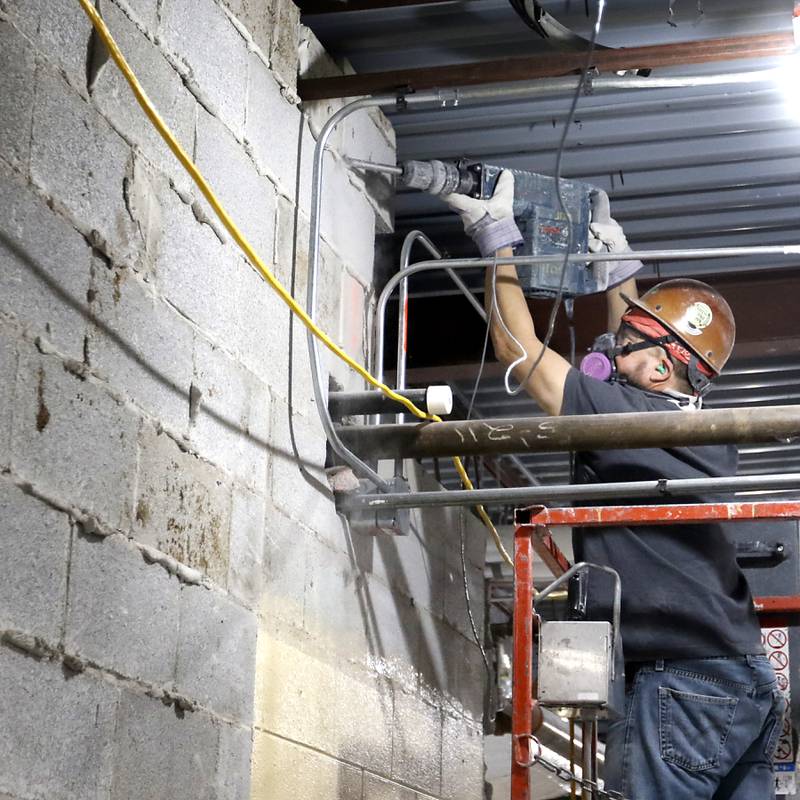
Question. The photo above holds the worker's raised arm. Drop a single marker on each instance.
(491, 225)
(511, 312)
(607, 236)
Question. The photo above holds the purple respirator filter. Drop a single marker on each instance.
(596, 365)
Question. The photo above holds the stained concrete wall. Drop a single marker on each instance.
(182, 612)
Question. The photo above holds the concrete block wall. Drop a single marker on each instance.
(181, 608)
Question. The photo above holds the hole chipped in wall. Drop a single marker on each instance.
(42, 413)
(96, 58)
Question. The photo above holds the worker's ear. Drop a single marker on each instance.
(662, 371)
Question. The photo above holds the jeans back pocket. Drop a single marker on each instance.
(694, 727)
(774, 724)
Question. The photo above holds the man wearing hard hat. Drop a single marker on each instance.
(702, 712)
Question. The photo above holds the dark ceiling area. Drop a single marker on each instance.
(685, 167)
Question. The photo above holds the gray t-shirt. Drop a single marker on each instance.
(683, 594)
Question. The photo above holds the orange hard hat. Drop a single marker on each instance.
(696, 314)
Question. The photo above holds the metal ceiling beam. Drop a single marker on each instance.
(597, 432)
(333, 6)
(549, 65)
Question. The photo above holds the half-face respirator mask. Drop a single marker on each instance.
(600, 361)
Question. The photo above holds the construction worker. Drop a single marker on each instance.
(703, 712)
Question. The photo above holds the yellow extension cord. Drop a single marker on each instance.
(239, 238)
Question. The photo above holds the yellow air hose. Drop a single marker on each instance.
(252, 256)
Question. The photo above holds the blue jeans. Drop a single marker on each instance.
(697, 729)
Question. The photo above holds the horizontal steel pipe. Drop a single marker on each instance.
(552, 434)
(343, 404)
(528, 495)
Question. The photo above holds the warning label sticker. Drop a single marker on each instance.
(776, 644)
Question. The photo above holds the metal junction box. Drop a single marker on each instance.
(576, 669)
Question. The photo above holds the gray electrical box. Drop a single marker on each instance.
(576, 669)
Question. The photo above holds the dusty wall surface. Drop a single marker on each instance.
(182, 612)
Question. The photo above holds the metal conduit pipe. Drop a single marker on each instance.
(358, 466)
(549, 86)
(579, 433)
(561, 493)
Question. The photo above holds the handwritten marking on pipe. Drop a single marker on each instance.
(474, 437)
(497, 433)
(460, 435)
(525, 442)
(545, 428)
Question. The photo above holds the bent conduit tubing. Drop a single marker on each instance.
(359, 467)
(320, 394)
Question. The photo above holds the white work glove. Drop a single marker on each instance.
(490, 223)
(608, 237)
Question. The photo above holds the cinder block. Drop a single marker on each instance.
(248, 530)
(256, 17)
(123, 612)
(183, 506)
(17, 81)
(345, 621)
(212, 54)
(377, 788)
(81, 163)
(60, 31)
(298, 484)
(44, 268)
(393, 630)
(195, 271)
(456, 611)
(56, 740)
(273, 129)
(470, 677)
(436, 658)
(34, 547)
(314, 61)
(291, 248)
(462, 759)
(369, 135)
(352, 322)
(284, 572)
(417, 743)
(74, 440)
(405, 564)
(329, 298)
(217, 653)
(348, 220)
(295, 686)
(363, 714)
(231, 426)
(285, 36)
(158, 750)
(235, 756)
(8, 378)
(141, 345)
(283, 770)
(248, 197)
(143, 12)
(114, 98)
(261, 328)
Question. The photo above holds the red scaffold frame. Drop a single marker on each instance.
(532, 536)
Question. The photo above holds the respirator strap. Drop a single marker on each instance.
(697, 380)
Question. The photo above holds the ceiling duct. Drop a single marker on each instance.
(548, 27)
